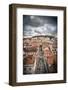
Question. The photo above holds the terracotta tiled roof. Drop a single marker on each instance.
(29, 60)
(30, 49)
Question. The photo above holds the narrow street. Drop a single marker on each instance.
(40, 64)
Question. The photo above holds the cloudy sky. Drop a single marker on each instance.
(39, 25)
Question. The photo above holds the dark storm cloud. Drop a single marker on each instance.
(38, 20)
(32, 22)
(39, 25)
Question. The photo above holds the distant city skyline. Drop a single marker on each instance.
(39, 25)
